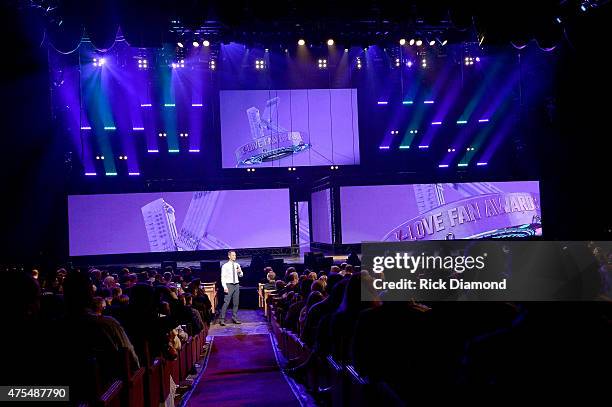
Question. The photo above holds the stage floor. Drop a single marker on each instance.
(245, 262)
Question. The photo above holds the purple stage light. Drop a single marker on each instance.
(409, 64)
(90, 174)
(133, 173)
(152, 151)
(146, 105)
(443, 166)
(382, 103)
(194, 151)
(197, 104)
(423, 147)
(436, 123)
(483, 120)
(383, 147)
(428, 102)
(138, 128)
(481, 164)
(85, 128)
(111, 174)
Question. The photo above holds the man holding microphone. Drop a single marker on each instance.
(230, 272)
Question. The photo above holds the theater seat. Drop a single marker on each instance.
(132, 393)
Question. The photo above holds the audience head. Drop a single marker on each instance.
(334, 269)
(78, 292)
(116, 292)
(167, 277)
(34, 274)
(271, 275)
(318, 285)
(109, 282)
(99, 304)
(288, 273)
(22, 301)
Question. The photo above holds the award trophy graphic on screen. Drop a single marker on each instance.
(270, 141)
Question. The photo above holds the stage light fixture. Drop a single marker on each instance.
(432, 43)
(180, 44)
(424, 63)
(301, 42)
(402, 41)
(206, 43)
(411, 41)
(330, 42)
(418, 43)
(409, 64)
(212, 65)
(444, 42)
(260, 64)
(322, 63)
(196, 44)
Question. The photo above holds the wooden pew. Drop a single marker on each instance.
(133, 390)
(153, 379)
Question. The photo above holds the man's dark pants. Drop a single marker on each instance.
(233, 293)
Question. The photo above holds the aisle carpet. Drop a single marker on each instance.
(242, 371)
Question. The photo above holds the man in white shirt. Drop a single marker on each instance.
(230, 273)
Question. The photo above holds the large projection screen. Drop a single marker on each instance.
(178, 221)
(321, 216)
(289, 128)
(440, 211)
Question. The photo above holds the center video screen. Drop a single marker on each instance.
(178, 221)
(289, 128)
(442, 211)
